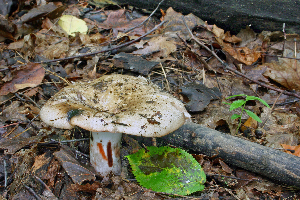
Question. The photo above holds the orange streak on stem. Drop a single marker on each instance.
(101, 150)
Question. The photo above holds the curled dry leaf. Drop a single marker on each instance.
(242, 54)
(296, 149)
(118, 21)
(161, 44)
(219, 33)
(285, 72)
(30, 75)
(78, 173)
(231, 38)
(176, 25)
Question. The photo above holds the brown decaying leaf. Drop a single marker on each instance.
(10, 146)
(48, 25)
(286, 72)
(78, 173)
(242, 54)
(175, 23)
(39, 12)
(225, 167)
(8, 28)
(231, 39)
(90, 188)
(219, 33)
(295, 148)
(250, 123)
(118, 22)
(162, 44)
(30, 75)
(41, 163)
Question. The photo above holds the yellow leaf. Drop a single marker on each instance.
(72, 25)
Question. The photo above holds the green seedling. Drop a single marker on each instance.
(241, 104)
(166, 169)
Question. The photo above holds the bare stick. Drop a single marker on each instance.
(33, 192)
(5, 173)
(163, 70)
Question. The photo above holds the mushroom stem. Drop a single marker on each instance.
(105, 152)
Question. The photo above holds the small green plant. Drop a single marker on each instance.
(241, 104)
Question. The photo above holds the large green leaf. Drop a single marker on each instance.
(166, 169)
(258, 99)
(236, 104)
(253, 115)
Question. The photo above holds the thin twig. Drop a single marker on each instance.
(130, 29)
(10, 125)
(106, 50)
(273, 106)
(265, 54)
(75, 140)
(31, 121)
(235, 71)
(33, 192)
(80, 153)
(55, 74)
(29, 99)
(5, 173)
(46, 188)
(21, 132)
(13, 129)
(198, 56)
(168, 85)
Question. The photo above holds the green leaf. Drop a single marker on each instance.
(235, 116)
(237, 104)
(252, 98)
(166, 169)
(238, 95)
(263, 102)
(258, 99)
(253, 115)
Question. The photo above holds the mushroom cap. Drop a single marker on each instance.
(118, 104)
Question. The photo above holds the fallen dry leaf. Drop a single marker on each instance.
(161, 44)
(242, 54)
(286, 72)
(295, 148)
(250, 123)
(118, 21)
(78, 173)
(39, 12)
(175, 23)
(30, 75)
(231, 38)
(219, 33)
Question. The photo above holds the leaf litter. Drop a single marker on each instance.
(27, 145)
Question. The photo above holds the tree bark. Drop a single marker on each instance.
(274, 164)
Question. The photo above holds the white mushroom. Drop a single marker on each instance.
(110, 106)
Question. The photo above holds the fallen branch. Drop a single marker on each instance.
(274, 164)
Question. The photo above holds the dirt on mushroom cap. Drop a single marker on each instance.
(116, 103)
